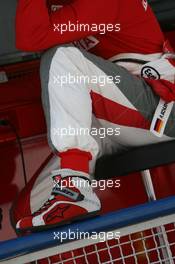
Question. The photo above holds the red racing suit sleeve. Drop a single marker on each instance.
(35, 24)
(163, 88)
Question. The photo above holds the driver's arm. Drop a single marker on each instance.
(35, 25)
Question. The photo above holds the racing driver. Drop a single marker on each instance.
(84, 42)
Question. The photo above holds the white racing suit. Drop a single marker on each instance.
(119, 112)
(124, 104)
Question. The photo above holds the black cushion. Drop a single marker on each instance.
(134, 160)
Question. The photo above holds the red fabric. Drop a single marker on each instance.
(163, 88)
(76, 160)
(135, 35)
(106, 109)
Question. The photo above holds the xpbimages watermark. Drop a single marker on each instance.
(82, 27)
(79, 235)
(101, 132)
(101, 80)
(101, 184)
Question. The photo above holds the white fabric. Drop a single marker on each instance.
(76, 96)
